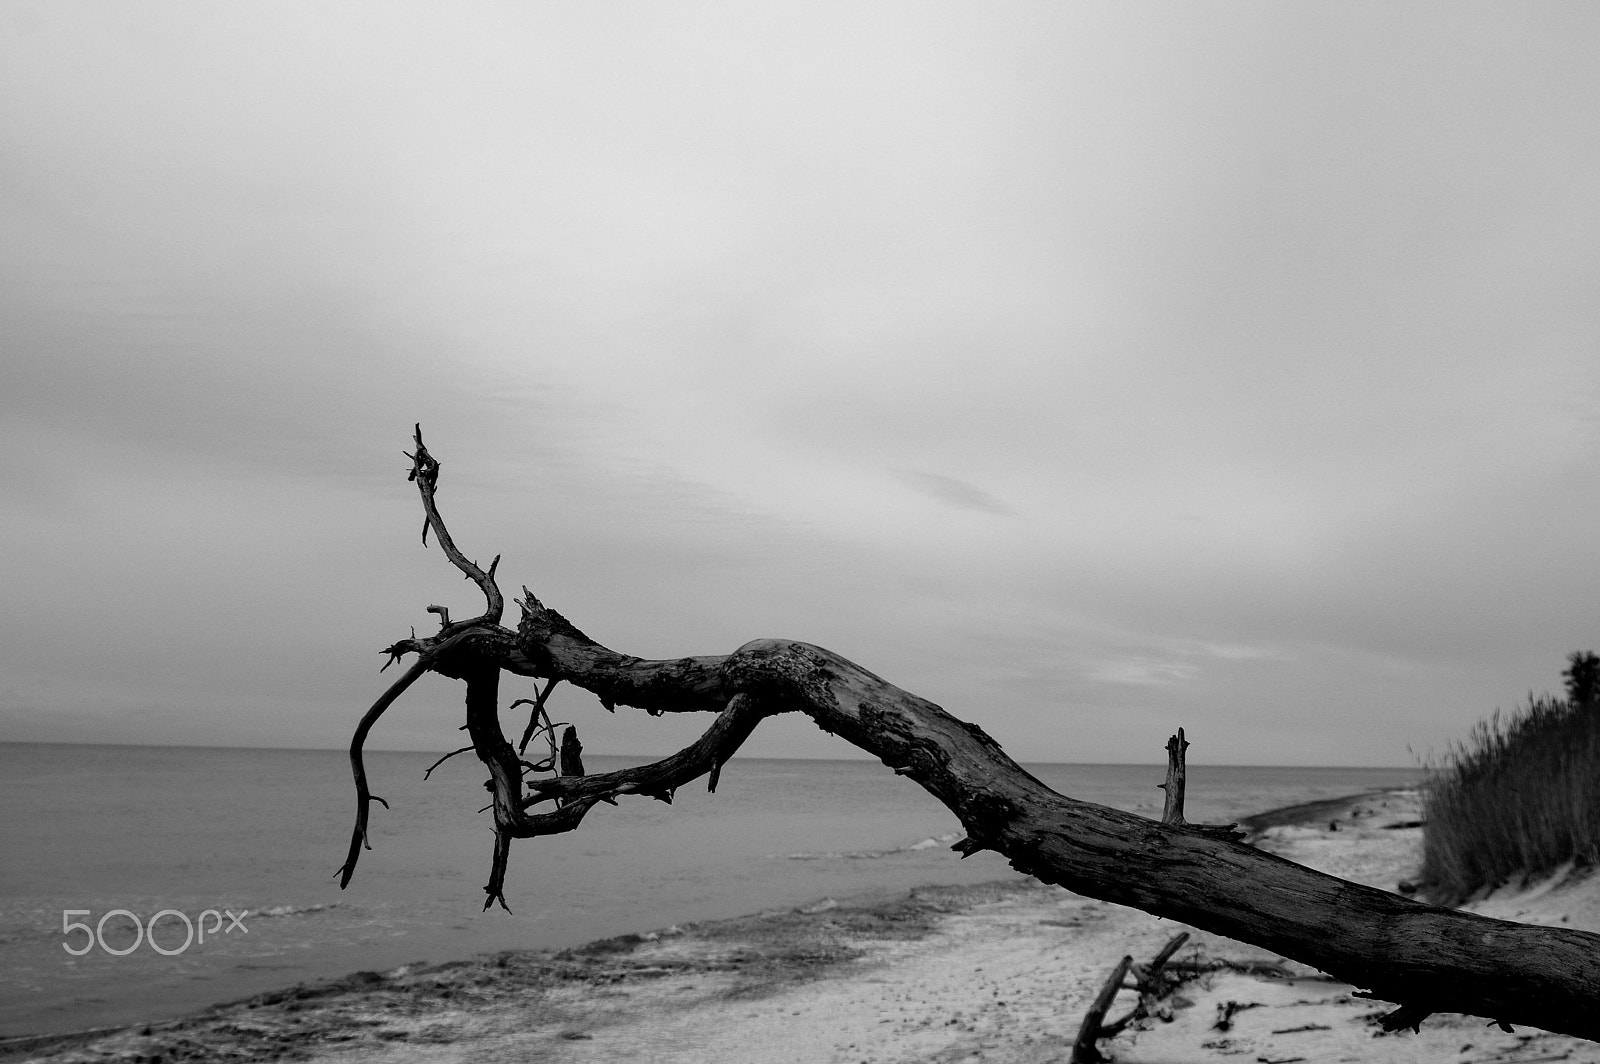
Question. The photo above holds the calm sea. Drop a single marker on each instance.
(146, 829)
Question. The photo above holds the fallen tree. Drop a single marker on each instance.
(1423, 958)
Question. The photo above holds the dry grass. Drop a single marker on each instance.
(1517, 800)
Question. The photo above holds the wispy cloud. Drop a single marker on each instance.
(1143, 672)
(954, 492)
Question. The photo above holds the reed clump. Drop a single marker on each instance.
(1518, 800)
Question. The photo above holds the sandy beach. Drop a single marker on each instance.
(1001, 972)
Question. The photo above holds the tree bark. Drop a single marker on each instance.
(1084, 1049)
(1425, 958)
(1177, 778)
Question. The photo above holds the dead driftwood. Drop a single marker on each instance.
(1177, 778)
(1084, 1049)
(1151, 980)
(1424, 958)
(1153, 986)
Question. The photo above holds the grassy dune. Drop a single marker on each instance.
(1517, 800)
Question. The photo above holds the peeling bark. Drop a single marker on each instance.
(1422, 957)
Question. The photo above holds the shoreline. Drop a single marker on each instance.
(776, 833)
(997, 971)
(755, 955)
(1302, 813)
(17, 1048)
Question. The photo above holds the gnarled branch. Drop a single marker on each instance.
(425, 473)
(364, 797)
(1424, 958)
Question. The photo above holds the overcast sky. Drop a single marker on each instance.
(1089, 369)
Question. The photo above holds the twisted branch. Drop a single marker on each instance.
(364, 796)
(1424, 958)
(425, 473)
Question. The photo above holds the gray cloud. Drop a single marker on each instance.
(1270, 331)
(953, 492)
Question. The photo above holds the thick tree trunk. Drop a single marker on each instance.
(1423, 957)
(1430, 958)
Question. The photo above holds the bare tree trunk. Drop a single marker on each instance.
(1424, 958)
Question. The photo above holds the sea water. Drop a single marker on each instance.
(258, 834)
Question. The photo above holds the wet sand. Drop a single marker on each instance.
(1001, 972)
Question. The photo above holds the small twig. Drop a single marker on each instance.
(1165, 955)
(535, 714)
(443, 759)
(1228, 1010)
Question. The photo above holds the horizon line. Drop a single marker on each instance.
(861, 756)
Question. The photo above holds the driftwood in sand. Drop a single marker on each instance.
(1084, 1050)
(1153, 985)
(1424, 958)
